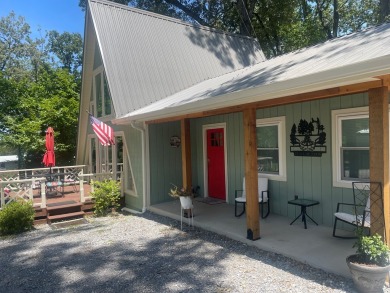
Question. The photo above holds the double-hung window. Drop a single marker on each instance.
(351, 146)
(271, 148)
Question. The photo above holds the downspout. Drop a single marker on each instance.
(144, 184)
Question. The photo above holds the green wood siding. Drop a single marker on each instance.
(307, 177)
(165, 161)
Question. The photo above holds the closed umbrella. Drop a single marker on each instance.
(49, 159)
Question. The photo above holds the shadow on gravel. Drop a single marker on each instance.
(172, 261)
(278, 261)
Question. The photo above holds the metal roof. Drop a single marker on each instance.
(148, 57)
(353, 58)
(10, 158)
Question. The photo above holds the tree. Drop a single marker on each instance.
(18, 52)
(36, 93)
(68, 48)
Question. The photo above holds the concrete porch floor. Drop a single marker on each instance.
(314, 245)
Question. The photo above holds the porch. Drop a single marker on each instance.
(314, 246)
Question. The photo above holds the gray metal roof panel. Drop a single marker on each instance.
(148, 57)
(354, 54)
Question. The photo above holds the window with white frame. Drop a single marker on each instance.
(103, 159)
(102, 97)
(351, 146)
(271, 147)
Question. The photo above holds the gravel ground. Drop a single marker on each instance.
(149, 253)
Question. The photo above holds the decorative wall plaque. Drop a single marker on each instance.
(175, 141)
(308, 139)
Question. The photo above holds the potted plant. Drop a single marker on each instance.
(370, 265)
(184, 194)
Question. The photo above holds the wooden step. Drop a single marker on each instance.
(64, 216)
(65, 206)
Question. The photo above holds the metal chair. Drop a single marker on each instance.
(263, 194)
(358, 214)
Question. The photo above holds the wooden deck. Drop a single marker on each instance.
(62, 203)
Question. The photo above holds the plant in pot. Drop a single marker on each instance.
(370, 265)
(185, 195)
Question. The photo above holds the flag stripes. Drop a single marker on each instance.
(104, 132)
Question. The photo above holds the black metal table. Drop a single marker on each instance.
(303, 203)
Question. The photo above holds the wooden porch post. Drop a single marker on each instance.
(379, 158)
(252, 199)
(186, 153)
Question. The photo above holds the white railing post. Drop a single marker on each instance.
(2, 196)
(82, 197)
(43, 194)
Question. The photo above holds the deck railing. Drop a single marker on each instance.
(21, 183)
(97, 177)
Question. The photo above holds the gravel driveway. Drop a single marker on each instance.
(149, 253)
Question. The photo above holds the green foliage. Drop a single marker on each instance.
(106, 194)
(175, 192)
(39, 87)
(372, 250)
(16, 217)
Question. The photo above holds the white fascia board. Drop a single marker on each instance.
(352, 74)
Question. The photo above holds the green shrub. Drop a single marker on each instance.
(372, 250)
(106, 195)
(16, 217)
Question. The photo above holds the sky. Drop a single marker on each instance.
(59, 15)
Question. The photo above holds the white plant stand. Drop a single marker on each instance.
(186, 204)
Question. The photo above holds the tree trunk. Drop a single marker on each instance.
(384, 10)
(245, 12)
(336, 18)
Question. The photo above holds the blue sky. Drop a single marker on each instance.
(59, 15)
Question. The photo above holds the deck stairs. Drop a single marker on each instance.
(63, 211)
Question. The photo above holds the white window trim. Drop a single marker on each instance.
(104, 117)
(280, 122)
(337, 115)
(128, 161)
(98, 160)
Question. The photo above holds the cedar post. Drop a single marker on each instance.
(379, 159)
(252, 199)
(186, 153)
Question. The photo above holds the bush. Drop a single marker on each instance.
(372, 250)
(16, 217)
(107, 195)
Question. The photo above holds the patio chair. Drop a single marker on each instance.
(263, 193)
(359, 211)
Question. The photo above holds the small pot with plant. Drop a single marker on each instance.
(370, 265)
(185, 195)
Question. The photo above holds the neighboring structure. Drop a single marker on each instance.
(197, 106)
(9, 162)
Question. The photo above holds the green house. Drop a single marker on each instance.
(195, 106)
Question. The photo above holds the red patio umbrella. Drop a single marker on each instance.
(49, 159)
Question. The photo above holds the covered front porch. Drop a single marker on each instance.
(314, 246)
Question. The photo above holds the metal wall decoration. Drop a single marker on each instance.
(308, 139)
(175, 141)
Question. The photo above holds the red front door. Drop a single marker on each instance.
(216, 163)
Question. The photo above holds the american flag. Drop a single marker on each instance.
(104, 132)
